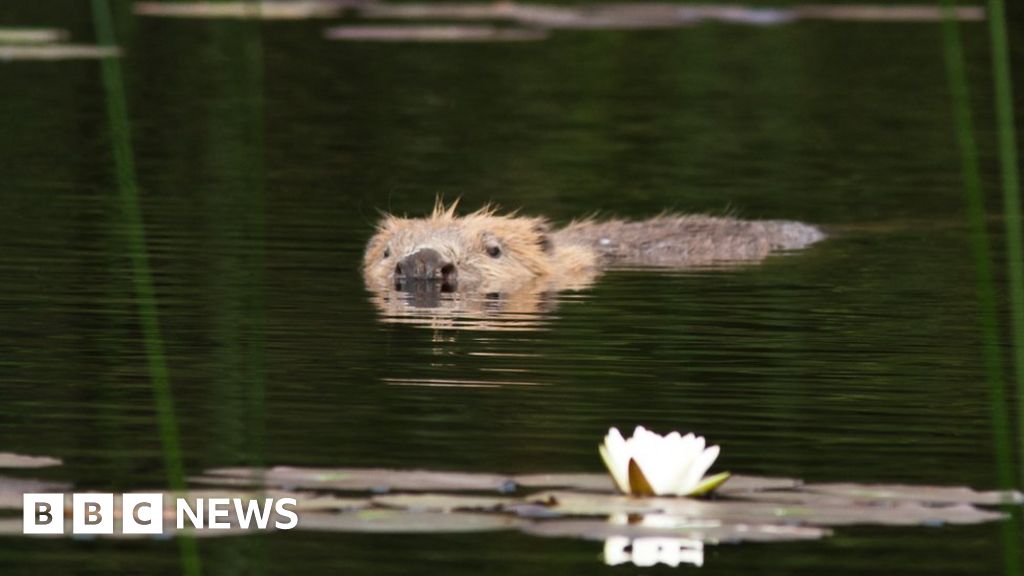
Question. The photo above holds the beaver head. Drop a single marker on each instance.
(481, 252)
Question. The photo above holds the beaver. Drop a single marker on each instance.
(486, 252)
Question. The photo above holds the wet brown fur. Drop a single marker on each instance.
(535, 257)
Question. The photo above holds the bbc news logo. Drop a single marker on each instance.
(144, 513)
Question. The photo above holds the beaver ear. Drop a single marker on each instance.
(389, 222)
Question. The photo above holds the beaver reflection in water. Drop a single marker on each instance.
(488, 253)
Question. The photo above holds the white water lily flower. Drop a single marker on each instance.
(649, 464)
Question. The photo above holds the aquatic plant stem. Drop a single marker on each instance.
(983, 276)
(979, 243)
(1011, 200)
(120, 136)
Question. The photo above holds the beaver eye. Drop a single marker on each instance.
(494, 250)
(387, 252)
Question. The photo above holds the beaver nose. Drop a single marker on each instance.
(425, 264)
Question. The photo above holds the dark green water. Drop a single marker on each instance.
(264, 154)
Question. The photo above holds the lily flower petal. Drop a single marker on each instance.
(615, 454)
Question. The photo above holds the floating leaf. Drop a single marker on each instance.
(653, 15)
(740, 484)
(214, 480)
(32, 35)
(433, 33)
(320, 502)
(403, 521)
(57, 52)
(595, 482)
(589, 17)
(587, 504)
(796, 497)
(363, 479)
(933, 494)
(268, 10)
(763, 512)
(706, 532)
(11, 460)
(603, 483)
(444, 502)
(882, 13)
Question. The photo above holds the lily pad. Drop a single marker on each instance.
(589, 17)
(684, 510)
(931, 494)
(32, 35)
(654, 15)
(796, 497)
(583, 481)
(433, 33)
(445, 502)
(272, 10)
(304, 501)
(707, 532)
(404, 521)
(57, 52)
(11, 460)
(737, 483)
(883, 13)
(364, 479)
(213, 480)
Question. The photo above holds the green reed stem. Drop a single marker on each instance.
(983, 275)
(253, 85)
(128, 195)
(979, 243)
(1011, 198)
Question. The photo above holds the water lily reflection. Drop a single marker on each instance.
(650, 551)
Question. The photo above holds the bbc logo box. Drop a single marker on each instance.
(144, 513)
(93, 513)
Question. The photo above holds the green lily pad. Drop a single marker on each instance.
(796, 498)
(404, 521)
(763, 512)
(601, 482)
(592, 504)
(882, 13)
(32, 35)
(11, 460)
(433, 33)
(707, 532)
(214, 480)
(444, 502)
(57, 52)
(739, 484)
(594, 482)
(266, 10)
(630, 16)
(363, 479)
(932, 494)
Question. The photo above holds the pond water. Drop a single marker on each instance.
(264, 155)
